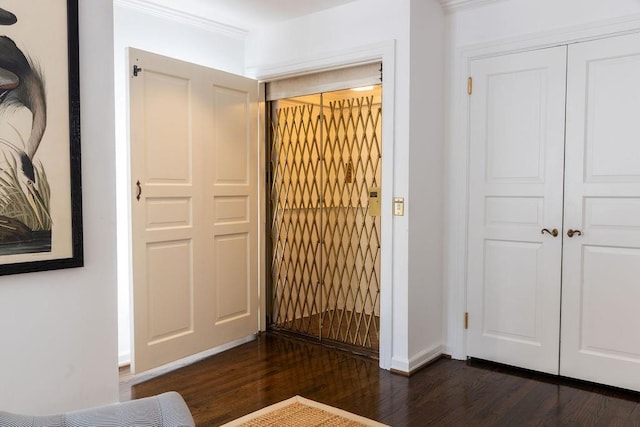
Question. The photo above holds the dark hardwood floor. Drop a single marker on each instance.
(456, 393)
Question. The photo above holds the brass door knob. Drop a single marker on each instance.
(553, 232)
(571, 233)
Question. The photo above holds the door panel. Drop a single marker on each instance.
(515, 144)
(232, 136)
(194, 227)
(170, 289)
(510, 287)
(163, 226)
(231, 196)
(516, 161)
(166, 104)
(602, 265)
(232, 301)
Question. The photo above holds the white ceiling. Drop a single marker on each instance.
(240, 16)
(247, 14)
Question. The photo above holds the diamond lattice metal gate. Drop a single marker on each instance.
(326, 162)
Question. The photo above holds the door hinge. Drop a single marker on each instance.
(466, 320)
(136, 70)
(470, 85)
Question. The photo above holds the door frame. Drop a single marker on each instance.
(385, 52)
(457, 178)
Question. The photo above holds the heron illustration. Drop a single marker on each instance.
(7, 18)
(22, 85)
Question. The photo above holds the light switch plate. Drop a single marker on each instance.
(398, 206)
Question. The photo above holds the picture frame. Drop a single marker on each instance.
(40, 162)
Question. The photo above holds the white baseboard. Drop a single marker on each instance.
(408, 366)
(124, 359)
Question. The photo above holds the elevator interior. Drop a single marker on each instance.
(325, 163)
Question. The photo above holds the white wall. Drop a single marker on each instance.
(58, 328)
(512, 18)
(426, 180)
(415, 301)
(353, 25)
(142, 29)
(503, 25)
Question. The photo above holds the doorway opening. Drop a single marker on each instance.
(324, 240)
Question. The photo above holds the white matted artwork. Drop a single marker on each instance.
(40, 197)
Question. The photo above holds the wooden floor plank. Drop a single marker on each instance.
(275, 367)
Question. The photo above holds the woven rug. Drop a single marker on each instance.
(299, 411)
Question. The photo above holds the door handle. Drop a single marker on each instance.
(139, 190)
(571, 233)
(553, 232)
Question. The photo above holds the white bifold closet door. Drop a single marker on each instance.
(516, 174)
(601, 267)
(526, 177)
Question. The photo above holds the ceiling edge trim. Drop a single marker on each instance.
(152, 9)
(451, 6)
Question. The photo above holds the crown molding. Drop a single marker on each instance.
(451, 6)
(181, 17)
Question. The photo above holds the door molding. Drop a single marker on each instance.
(385, 52)
(457, 179)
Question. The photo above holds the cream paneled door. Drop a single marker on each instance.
(194, 167)
(516, 173)
(601, 269)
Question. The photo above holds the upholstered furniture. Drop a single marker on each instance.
(164, 410)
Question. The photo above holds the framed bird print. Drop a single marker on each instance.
(40, 190)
